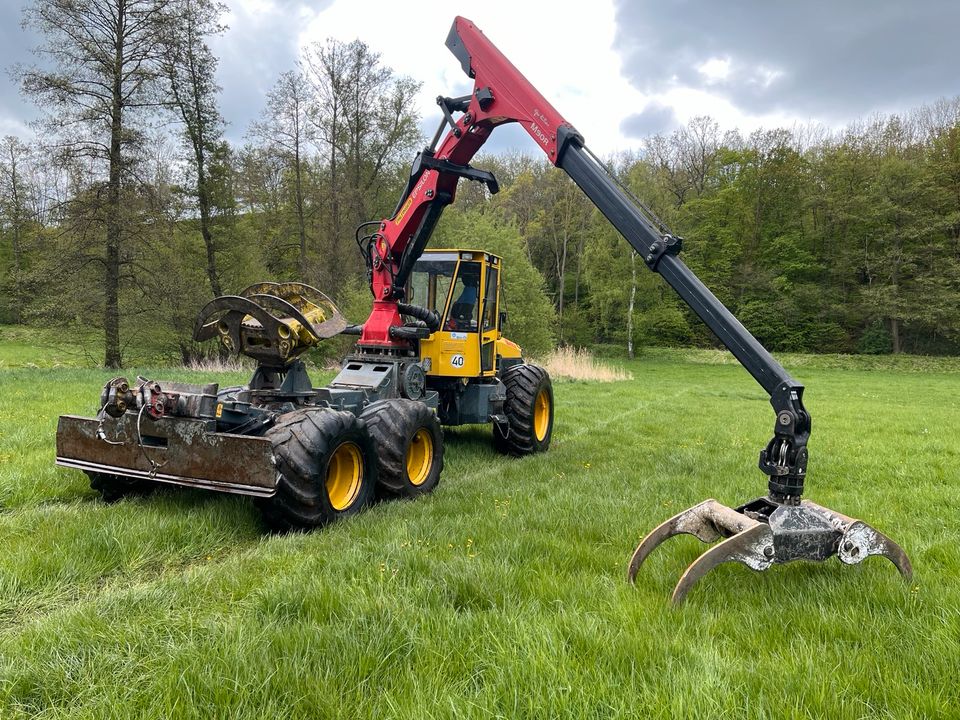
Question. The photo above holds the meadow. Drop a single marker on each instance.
(503, 594)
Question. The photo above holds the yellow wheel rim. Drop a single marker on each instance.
(420, 457)
(344, 474)
(541, 414)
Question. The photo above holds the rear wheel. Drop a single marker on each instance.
(409, 445)
(529, 411)
(326, 469)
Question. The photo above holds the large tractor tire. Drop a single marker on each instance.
(529, 411)
(326, 469)
(409, 444)
(115, 487)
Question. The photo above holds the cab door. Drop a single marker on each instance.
(489, 315)
(456, 345)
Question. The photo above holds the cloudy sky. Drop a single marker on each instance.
(619, 70)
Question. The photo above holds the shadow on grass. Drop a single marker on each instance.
(176, 499)
(478, 437)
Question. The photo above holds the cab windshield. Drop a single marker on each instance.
(430, 286)
(430, 283)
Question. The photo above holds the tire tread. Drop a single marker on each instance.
(392, 423)
(523, 383)
(302, 441)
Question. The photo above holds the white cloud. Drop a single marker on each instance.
(690, 102)
(715, 69)
(253, 7)
(16, 127)
(819, 58)
(766, 76)
(567, 56)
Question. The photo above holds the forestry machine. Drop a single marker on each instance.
(430, 353)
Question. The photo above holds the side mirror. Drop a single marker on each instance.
(501, 320)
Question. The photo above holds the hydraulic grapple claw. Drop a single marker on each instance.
(703, 521)
(859, 541)
(753, 547)
(763, 533)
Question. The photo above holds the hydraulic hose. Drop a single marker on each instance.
(430, 318)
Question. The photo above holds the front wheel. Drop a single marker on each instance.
(529, 411)
(326, 469)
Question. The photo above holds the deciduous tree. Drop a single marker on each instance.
(284, 130)
(188, 67)
(97, 80)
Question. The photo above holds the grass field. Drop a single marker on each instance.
(503, 593)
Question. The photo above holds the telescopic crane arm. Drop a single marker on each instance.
(775, 528)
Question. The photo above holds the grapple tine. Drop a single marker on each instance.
(753, 547)
(860, 540)
(692, 521)
(707, 521)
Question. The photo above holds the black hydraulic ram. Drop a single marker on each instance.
(780, 526)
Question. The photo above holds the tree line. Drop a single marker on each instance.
(819, 241)
(130, 210)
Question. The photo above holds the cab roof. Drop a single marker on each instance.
(462, 251)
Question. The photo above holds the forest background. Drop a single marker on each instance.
(129, 209)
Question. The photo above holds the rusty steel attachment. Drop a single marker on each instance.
(274, 323)
(166, 432)
(764, 533)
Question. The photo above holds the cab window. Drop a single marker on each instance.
(464, 312)
(490, 300)
(430, 283)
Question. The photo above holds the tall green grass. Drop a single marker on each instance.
(503, 594)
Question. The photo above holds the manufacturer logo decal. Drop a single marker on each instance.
(413, 194)
(403, 210)
(536, 129)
